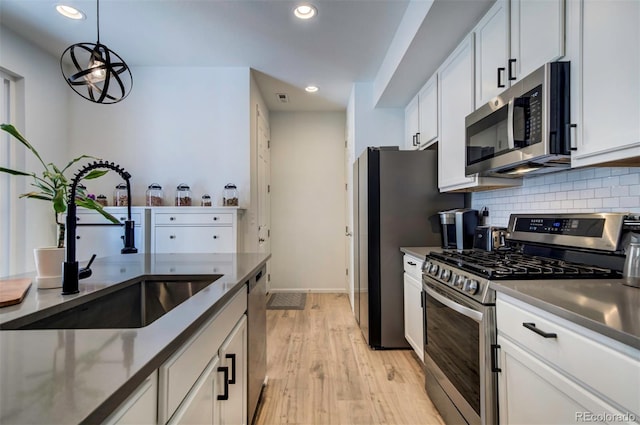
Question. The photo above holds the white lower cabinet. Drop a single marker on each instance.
(199, 405)
(232, 397)
(194, 230)
(141, 407)
(413, 318)
(191, 383)
(556, 372)
(96, 235)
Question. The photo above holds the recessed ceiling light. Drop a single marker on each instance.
(69, 12)
(305, 11)
(311, 89)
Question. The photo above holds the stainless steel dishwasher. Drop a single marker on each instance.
(257, 334)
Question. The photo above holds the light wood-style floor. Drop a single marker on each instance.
(322, 372)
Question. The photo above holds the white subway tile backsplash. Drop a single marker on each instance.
(583, 190)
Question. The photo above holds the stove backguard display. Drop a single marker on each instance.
(582, 227)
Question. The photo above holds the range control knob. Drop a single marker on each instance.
(434, 269)
(471, 286)
(459, 281)
(445, 274)
(425, 266)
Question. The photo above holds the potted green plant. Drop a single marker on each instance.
(53, 186)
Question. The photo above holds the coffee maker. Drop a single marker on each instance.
(458, 228)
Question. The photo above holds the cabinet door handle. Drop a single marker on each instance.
(573, 127)
(78, 237)
(225, 372)
(123, 218)
(532, 327)
(414, 140)
(512, 72)
(500, 75)
(418, 139)
(411, 263)
(232, 381)
(215, 236)
(494, 358)
(172, 218)
(172, 236)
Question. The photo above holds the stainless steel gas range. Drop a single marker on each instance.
(460, 317)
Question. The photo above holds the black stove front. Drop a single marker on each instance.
(513, 265)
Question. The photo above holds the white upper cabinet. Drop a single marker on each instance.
(421, 117)
(456, 102)
(492, 52)
(602, 43)
(412, 124)
(515, 38)
(429, 112)
(537, 35)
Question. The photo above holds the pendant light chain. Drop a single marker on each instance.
(98, 18)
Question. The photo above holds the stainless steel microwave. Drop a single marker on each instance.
(525, 130)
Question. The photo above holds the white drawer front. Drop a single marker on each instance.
(193, 218)
(575, 350)
(97, 218)
(413, 266)
(178, 374)
(194, 239)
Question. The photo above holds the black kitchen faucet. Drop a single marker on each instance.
(71, 273)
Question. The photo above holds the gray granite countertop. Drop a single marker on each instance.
(71, 376)
(605, 306)
(419, 251)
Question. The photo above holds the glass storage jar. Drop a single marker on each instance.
(183, 195)
(120, 197)
(155, 195)
(102, 200)
(206, 201)
(230, 195)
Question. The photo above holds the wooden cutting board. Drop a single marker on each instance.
(12, 291)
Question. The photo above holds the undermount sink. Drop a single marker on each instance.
(134, 306)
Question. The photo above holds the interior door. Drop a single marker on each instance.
(264, 186)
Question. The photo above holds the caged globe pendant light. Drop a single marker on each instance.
(95, 72)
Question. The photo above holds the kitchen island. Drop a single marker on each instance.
(82, 375)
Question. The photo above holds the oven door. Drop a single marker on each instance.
(459, 334)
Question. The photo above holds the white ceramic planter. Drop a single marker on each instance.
(49, 266)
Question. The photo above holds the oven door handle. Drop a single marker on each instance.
(466, 311)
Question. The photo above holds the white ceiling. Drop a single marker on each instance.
(346, 43)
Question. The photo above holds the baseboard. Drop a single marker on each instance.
(310, 290)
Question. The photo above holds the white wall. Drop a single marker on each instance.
(582, 190)
(178, 125)
(307, 201)
(374, 126)
(43, 120)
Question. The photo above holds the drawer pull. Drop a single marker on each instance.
(123, 218)
(411, 263)
(532, 327)
(215, 237)
(232, 381)
(77, 237)
(172, 236)
(225, 372)
(172, 218)
(215, 218)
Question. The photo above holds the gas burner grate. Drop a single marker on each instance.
(498, 265)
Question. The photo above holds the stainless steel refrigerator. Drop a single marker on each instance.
(396, 204)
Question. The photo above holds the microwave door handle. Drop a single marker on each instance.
(465, 311)
(510, 113)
